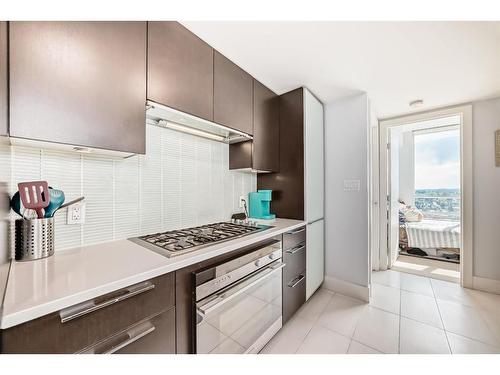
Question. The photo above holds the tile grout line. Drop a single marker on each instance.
(368, 346)
(315, 321)
(399, 331)
(349, 346)
(356, 325)
(440, 316)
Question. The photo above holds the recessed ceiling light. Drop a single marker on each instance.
(416, 103)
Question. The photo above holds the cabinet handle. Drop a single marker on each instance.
(90, 306)
(115, 343)
(296, 281)
(296, 249)
(295, 231)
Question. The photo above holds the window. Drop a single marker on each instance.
(437, 173)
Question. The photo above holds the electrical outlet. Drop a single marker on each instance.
(76, 213)
(242, 201)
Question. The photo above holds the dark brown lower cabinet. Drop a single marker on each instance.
(104, 318)
(294, 295)
(294, 274)
(153, 336)
(154, 316)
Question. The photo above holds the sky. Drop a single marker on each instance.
(437, 160)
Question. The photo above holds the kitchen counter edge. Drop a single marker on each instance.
(12, 316)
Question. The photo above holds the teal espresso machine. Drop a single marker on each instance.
(260, 205)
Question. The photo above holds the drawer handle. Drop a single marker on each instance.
(300, 230)
(90, 306)
(296, 281)
(296, 249)
(110, 345)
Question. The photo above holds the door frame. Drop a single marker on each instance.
(466, 182)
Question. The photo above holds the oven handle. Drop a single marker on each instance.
(221, 299)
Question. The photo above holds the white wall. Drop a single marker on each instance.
(406, 168)
(347, 212)
(395, 138)
(4, 218)
(4, 200)
(183, 181)
(486, 119)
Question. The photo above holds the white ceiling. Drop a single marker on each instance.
(442, 63)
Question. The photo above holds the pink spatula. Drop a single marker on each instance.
(35, 196)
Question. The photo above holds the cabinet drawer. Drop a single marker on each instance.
(150, 336)
(294, 294)
(295, 260)
(80, 326)
(294, 237)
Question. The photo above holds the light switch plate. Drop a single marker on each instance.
(352, 185)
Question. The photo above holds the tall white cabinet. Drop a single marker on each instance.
(314, 192)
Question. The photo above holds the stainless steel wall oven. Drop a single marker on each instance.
(238, 303)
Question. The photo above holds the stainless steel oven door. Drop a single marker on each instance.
(243, 317)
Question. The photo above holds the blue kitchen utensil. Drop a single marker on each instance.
(15, 204)
(69, 204)
(56, 201)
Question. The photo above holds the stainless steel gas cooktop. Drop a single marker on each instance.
(182, 241)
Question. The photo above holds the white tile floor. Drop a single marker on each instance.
(407, 314)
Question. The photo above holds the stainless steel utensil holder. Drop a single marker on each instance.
(34, 238)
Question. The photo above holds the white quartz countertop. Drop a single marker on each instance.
(37, 288)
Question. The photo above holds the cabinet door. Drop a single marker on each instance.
(233, 95)
(157, 336)
(315, 257)
(265, 129)
(3, 78)
(294, 294)
(79, 83)
(180, 69)
(314, 158)
(288, 183)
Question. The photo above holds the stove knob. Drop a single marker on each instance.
(272, 256)
(257, 263)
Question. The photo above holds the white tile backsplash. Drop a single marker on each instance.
(183, 181)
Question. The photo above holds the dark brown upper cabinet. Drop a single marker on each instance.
(233, 95)
(3, 79)
(261, 154)
(180, 69)
(79, 83)
(288, 183)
